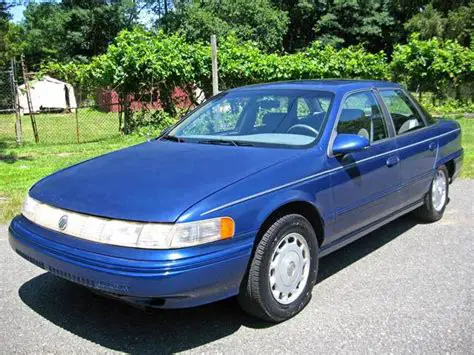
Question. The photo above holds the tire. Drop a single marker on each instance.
(291, 234)
(431, 211)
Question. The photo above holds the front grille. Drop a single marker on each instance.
(71, 277)
(100, 285)
(30, 259)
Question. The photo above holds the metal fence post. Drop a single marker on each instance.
(16, 104)
(215, 81)
(28, 98)
(77, 125)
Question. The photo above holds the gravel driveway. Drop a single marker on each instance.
(406, 287)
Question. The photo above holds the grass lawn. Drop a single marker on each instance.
(20, 167)
(59, 128)
(467, 125)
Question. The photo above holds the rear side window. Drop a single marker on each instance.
(405, 116)
(428, 118)
(302, 108)
(362, 115)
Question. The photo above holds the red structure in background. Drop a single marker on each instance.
(108, 101)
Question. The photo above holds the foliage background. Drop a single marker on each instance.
(142, 47)
(139, 61)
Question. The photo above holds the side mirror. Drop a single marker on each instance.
(349, 143)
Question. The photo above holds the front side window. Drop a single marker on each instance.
(404, 114)
(263, 117)
(218, 119)
(361, 115)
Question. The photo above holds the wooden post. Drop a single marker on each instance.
(215, 81)
(78, 135)
(16, 103)
(28, 99)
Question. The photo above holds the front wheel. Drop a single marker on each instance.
(283, 270)
(437, 198)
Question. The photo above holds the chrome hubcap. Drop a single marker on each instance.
(289, 268)
(438, 191)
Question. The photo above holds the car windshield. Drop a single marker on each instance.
(257, 118)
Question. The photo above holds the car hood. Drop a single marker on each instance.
(154, 181)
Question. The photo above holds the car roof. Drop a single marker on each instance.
(334, 85)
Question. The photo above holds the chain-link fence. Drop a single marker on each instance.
(8, 110)
(55, 115)
(79, 125)
(45, 110)
(7, 103)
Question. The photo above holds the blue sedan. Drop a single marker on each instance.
(242, 196)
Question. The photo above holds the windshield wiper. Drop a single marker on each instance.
(226, 142)
(244, 144)
(217, 141)
(172, 138)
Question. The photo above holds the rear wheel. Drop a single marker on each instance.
(283, 270)
(437, 198)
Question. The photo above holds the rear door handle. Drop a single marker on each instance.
(432, 146)
(394, 160)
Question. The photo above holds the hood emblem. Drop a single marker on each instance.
(62, 224)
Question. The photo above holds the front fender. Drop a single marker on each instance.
(250, 212)
(280, 200)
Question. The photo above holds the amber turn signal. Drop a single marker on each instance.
(227, 227)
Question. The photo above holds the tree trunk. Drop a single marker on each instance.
(457, 94)
(126, 113)
(127, 117)
(167, 101)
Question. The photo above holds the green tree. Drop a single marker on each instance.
(159, 7)
(428, 23)
(302, 14)
(446, 6)
(4, 29)
(140, 61)
(74, 29)
(350, 22)
(444, 19)
(455, 65)
(11, 42)
(433, 65)
(255, 20)
(460, 25)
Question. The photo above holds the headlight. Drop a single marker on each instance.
(129, 234)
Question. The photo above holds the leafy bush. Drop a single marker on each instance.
(76, 74)
(140, 61)
(433, 65)
(447, 106)
(158, 119)
(242, 63)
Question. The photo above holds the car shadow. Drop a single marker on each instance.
(121, 327)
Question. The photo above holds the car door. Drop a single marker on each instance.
(365, 184)
(417, 150)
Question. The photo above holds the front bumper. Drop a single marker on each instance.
(165, 278)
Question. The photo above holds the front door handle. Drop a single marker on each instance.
(394, 160)
(432, 146)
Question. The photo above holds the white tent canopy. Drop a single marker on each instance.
(48, 94)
